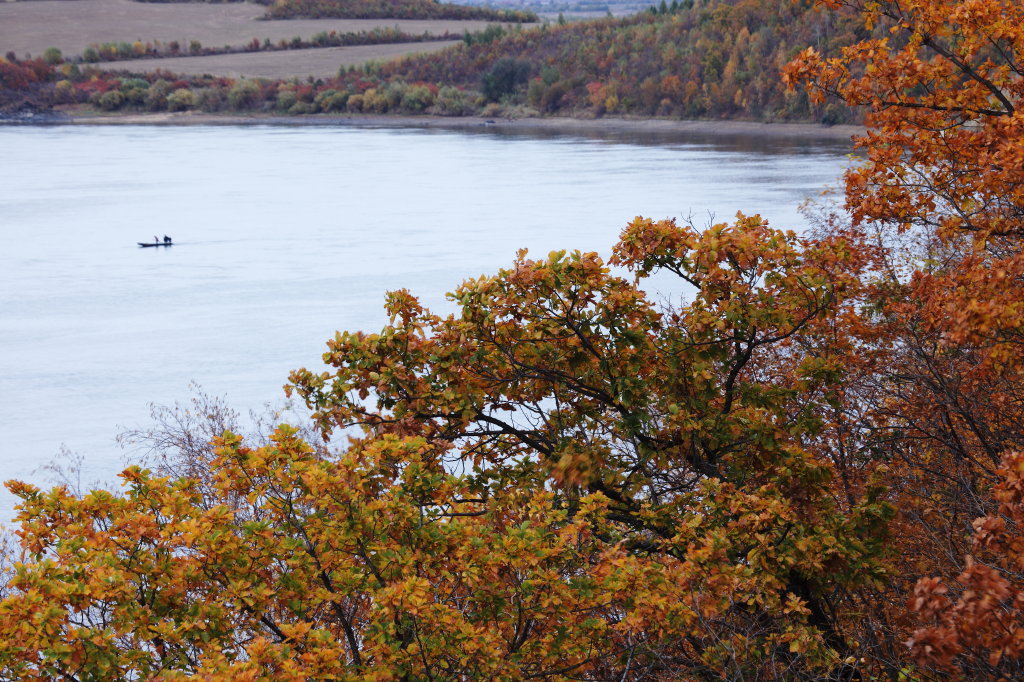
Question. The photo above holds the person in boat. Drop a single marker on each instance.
(167, 240)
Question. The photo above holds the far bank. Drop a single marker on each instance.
(556, 125)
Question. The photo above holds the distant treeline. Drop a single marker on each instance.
(377, 9)
(390, 9)
(702, 61)
(118, 51)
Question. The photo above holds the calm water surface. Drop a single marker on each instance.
(283, 235)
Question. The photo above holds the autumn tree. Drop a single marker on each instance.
(982, 631)
(799, 461)
(941, 191)
(696, 423)
(563, 479)
(376, 563)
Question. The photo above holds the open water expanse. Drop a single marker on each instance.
(284, 235)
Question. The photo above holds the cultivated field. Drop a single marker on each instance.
(317, 62)
(71, 25)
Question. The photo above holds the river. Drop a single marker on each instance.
(284, 234)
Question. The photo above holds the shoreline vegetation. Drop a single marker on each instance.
(808, 466)
(684, 62)
(554, 124)
(109, 53)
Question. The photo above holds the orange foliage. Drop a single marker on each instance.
(634, 498)
(942, 192)
(984, 629)
(806, 467)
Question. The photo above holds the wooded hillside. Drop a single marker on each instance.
(709, 60)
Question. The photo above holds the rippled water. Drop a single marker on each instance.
(283, 235)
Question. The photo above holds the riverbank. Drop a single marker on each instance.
(554, 125)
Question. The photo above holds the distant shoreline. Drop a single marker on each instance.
(552, 124)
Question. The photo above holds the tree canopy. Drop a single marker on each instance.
(805, 464)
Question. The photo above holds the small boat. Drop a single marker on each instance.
(148, 244)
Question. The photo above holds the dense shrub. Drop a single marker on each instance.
(453, 102)
(417, 98)
(110, 101)
(244, 95)
(355, 104)
(504, 78)
(53, 56)
(181, 99)
(286, 99)
(64, 92)
(330, 101)
(156, 96)
(211, 99)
